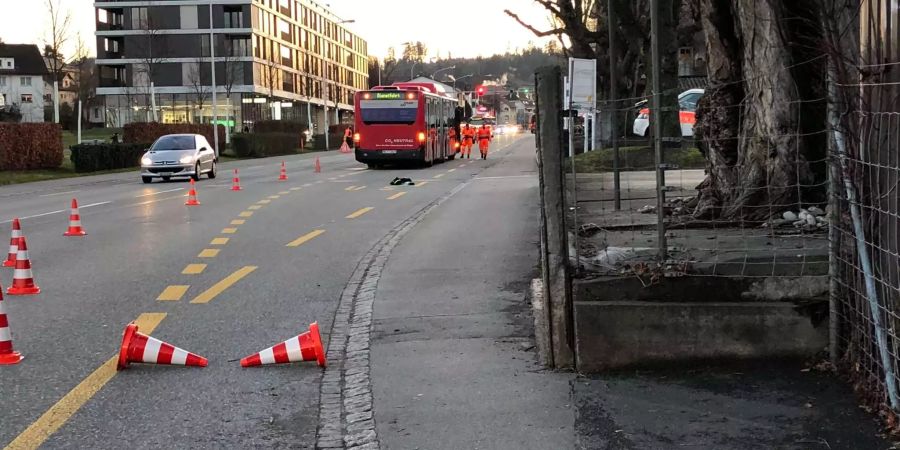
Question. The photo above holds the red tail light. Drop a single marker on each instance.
(421, 137)
(356, 138)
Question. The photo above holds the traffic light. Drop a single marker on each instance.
(480, 91)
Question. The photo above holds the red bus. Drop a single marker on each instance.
(405, 122)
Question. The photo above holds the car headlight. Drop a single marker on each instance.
(186, 159)
(146, 161)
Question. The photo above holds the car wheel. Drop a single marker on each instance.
(147, 180)
(196, 175)
(212, 171)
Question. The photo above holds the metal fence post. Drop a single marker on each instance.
(656, 120)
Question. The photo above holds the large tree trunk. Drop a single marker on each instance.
(749, 122)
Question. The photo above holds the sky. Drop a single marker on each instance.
(469, 28)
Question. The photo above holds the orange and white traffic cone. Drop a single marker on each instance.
(283, 176)
(236, 182)
(23, 279)
(139, 348)
(318, 166)
(8, 356)
(74, 221)
(192, 196)
(13, 244)
(304, 347)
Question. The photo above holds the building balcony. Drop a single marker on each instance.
(111, 83)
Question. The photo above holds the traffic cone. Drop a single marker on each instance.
(304, 347)
(283, 176)
(13, 244)
(318, 166)
(23, 279)
(236, 182)
(74, 222)
(192, 196)
(139, 348)
(8, 356)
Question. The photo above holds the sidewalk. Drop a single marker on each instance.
(452, 355)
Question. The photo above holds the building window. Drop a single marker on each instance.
(204, 45)
(25, 81)
(139, 19)
(26, 98)
(238, 47)
(234, 18)
(2, 81)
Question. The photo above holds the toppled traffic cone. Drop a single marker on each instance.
(139, 348)
(304, 347)
(13, 244)
(236, 182)
(192, 196)
(8, 356)
(318, 166)
(283, 176)
(23, 279)
(74, 221)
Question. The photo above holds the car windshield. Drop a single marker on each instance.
(167, 143)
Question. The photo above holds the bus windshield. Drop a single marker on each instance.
(388, 111)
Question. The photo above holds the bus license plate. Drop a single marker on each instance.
(390, 152)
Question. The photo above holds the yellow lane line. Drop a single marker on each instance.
(193, 269)
(360, 212)
(221, 286)
(451, 171)
(172, 293)
(219, 241)
(229, 230)
(254, 207)
(360, 188)
(349, 188)
(387, 188)
(396, 196)
(296, 188)
(55, 417)
(238, 222)
(284, 193)
(420, 184)
(306, 238)
(209, 253)
(246, 214)
(439, 175)
(274, 197)
(264, 202)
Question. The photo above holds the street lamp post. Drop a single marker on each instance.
(212, 63)
(434, 74)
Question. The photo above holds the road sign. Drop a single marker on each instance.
(582, 84)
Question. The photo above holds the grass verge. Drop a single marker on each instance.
(637, 158)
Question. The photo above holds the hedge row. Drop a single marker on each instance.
(27, 146)
(141, 132)
(94, 157)
(279, 126)
(260, 145)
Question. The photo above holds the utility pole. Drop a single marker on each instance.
(212, 63)
(614, 103)
(656, 119)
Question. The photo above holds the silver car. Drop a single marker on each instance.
(179, 155)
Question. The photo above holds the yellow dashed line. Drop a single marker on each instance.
(360, 188)
(387, 188)
(296, 188)
(238, 222)
(422, 183)
(451, 171)
(55, 417)
(306, 238)
(284, 193)
(172, 293)
(254, 207)
(219, 241)
(211, 293)
(264, 202)
(439, 175)
(229, 230)
(349, 188)
(274, 197)
(209, 253)
(246, 214)
(359, 212)
(396, 196)
(193, 269)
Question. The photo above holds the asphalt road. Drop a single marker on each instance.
(141, 239)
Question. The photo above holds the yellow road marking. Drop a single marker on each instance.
(360, 212)
(226, 283)
(274, 197)
(209, 253)
(360, 188)
(439, 175)
(420, 184)
(396, 196)
(193, 269)
(254, 207)
(238, 222)
(172, 293)
(349, 188)
(296, 188)
(387, 188)
(264, 202)
(306, 238)
(229, 230)
(66, 407)
(246, 214)
(284, 193)
(451, 171)
(219, 241)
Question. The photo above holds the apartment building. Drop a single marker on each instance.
(274, 59)
(22, 73)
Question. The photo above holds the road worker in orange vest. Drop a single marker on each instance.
(484, 140)
(468, 135)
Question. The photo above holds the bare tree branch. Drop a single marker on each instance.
(538, 33)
